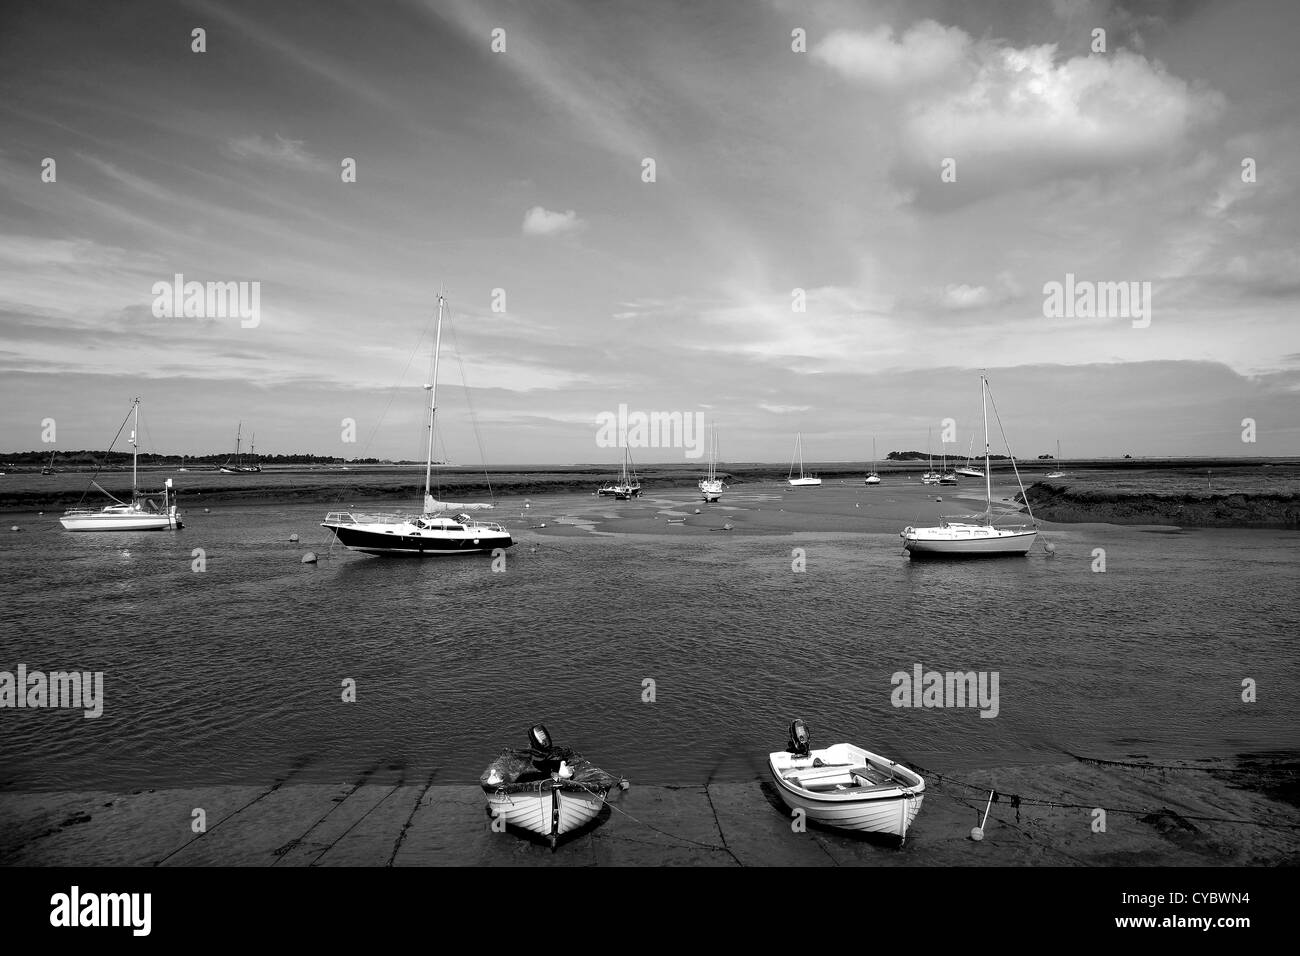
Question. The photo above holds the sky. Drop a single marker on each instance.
(917, 173)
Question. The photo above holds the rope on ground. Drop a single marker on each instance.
(1016, 801)
(673, 836)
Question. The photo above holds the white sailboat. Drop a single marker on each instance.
(711, 486)
(968, 469)
(1056, 466)
(973, 535)
(931, 477)
(803, 481)
(872, 478)
(144, 512)
(431, 533)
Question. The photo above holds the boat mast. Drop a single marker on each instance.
(988, 479)
(239, 459)
(135, 444)
(433, 399)
(798, 442)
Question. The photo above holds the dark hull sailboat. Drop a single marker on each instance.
(432, 533)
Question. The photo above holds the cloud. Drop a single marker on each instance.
(282, 151)
(544, 222)
(925, 52)
(1022, 106)
(784, 409)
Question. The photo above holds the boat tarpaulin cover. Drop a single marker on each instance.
(517, 770)
(432, 506)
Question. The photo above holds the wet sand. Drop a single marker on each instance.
(1252, 800)
(772, 508)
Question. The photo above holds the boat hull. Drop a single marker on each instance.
(803, 482)
(946, 543)
(375, 540)
(143, 522)
(548, 811)
(888, 809)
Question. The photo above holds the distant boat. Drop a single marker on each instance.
(872, 478)
(1056, 473)
(182, 467)
(972, 535)
(606, 490)
(431, 533)
(49, 469)
(803, 481)
(547, 790)
(946, 477)
(711, 486)
(237, 467)
(144, 512)
(968, 469)
(628, 486)
(931, 477)
(846, 786)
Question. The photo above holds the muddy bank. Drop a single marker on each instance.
(1058, 502)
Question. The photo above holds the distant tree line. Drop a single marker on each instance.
(85, 457)
(923, 456)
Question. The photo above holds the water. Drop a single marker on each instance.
(234, 675)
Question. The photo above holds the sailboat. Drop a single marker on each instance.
(431, 533)
(182, 467)
(972, 535)
(931, 477)
(237, 467)
(968, 469)
(946, 477)
(1056, 470)
(49, 469)
(711, 486)
(872, 478)
(629, 486)
(803, 480)
(144, 512)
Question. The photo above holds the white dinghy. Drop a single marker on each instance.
(845, 786)
(547, 790)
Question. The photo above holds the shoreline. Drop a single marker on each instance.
(1207, 812)
(1062, 504)
(1243, 498)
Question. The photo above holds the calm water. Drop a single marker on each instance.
(233, 675)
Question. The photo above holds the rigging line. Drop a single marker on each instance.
(469, 402)
(100, 467)
(1012, 455)
(392, 395)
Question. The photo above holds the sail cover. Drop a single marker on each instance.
(433, 505)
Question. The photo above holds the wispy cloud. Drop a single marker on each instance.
(279, 150)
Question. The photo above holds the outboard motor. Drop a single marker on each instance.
(539, 741)
(798, 739)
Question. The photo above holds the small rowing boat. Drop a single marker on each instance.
(845, 786)
(547, 790)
